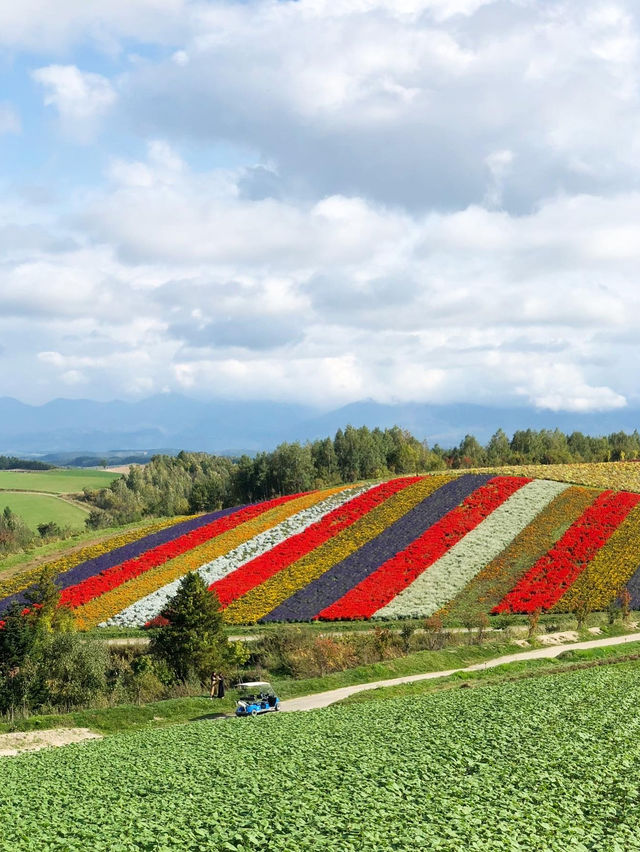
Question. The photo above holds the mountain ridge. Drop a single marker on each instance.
(173, 420)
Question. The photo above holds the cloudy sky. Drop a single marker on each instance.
(321, 201)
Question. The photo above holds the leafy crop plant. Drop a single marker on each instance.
(550, 765)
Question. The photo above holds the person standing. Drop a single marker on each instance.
(215, 682)
(220, 686)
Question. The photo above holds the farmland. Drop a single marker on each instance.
(38, 496)
(56, 481)
(42, 508)
(459, 546)
(545, 764)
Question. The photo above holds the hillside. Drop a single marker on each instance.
(413, 546)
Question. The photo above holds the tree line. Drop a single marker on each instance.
(196, 482)
(14, 463)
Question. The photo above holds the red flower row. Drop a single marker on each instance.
(545, 583)
(394, 575)
(111, 578)
(255, 572)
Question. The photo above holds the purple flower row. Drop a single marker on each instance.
(633, 587)
(122, 554)
(344, 575)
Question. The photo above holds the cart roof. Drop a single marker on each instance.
(254, 684)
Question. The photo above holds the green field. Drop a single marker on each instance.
(55, 481)
(37, 509)
(548, 764)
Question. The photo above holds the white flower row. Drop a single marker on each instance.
(148, 607)
(448, 576)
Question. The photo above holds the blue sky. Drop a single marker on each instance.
(315, 201)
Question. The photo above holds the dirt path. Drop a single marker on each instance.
(324, 699)
(12, 744)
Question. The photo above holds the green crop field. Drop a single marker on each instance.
(37, 509)
(55, 481)
(549, 764)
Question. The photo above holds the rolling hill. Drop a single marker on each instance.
(454, 545)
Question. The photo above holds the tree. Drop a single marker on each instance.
(194, 641)
(25, 631)
(498, 449)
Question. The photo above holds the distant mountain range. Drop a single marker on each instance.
(229, 427)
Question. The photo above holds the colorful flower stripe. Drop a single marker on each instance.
(24, 579)
(393, 577)
(259, 570)
(112, 602)
(611, 568)
(151, 605)
(92, 587)
(119, 555)
(490, 585)
(344, 575)
(266, 597)
(552, 575)
(450, 574)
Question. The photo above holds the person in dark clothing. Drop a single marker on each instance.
(220, 693)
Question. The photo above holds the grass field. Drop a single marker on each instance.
(548, 763)
(40, 508)
(55, 481)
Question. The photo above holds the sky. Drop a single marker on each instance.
(321, 201)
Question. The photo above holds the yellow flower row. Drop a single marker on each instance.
(264, 598)
(107, 605)
(487, 588)
(24, 579)
(619, 476)
(612, 567)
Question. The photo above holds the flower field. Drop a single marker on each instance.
(453, 544)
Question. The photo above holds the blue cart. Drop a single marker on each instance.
(256, 698)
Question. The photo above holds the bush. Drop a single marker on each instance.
(73, 672)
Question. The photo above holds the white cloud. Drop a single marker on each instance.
(37, 25)
(410, 103)
(179, 280)
(81, 98)
(437, 203)
(9, 119)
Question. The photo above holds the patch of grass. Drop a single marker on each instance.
(129, 717)
(421, 661)
(37, 509)
(69, 481)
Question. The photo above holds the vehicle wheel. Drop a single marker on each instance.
(254, 713)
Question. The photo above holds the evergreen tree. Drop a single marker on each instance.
(193, 641)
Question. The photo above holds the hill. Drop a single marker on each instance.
(456, 545)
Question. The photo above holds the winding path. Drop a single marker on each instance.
(324, 699)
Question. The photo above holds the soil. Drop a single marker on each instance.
(20, 741)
